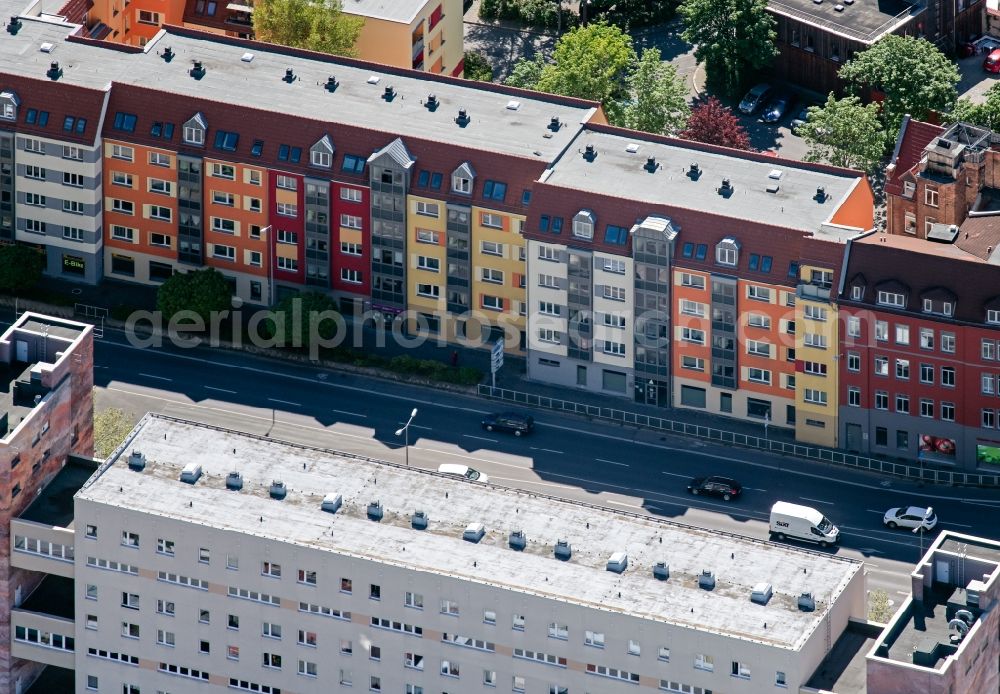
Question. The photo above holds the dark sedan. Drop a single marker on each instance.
(510, 422)
(716, 486)
(777, 107)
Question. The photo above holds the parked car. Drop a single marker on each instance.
(777, 107)
(510, 422)
(715, 486)
(755, 98)
(910, 517)
(801, 118)
(992, 62)
(463, 471)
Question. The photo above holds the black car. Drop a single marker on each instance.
(511, 422)
(716, 486)
(777, 107)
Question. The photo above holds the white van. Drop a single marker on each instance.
(463, 471)
(802, 523)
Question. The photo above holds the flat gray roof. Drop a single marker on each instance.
(619, 173)
(451, 505)
(864, 20)
(258, 84)
(390, 10)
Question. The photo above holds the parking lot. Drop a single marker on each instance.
(776, 138)
(975, 80)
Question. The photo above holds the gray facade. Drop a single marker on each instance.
(389, 177)
(725, 367)
(317, 202)
(190, 217)
(458, 281)
(579, 304)
(7, 188)
(652, 251)
(894, 435)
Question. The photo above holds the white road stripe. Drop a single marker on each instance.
(871, 510)
(353, 414)
(159, 378)
(221, 390)
(546, 450)
(675, 474)
(817, 501)
(957, 525)
(285, 402)
(480, 438)
(611, 462)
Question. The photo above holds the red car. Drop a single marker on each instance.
(992, 62)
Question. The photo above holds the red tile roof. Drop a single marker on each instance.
(979, 236)
(76, 10)
(914, 135)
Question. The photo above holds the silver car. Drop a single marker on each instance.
(755, 98)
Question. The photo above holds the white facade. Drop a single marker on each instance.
(613, 320)
(248, 592)
(548, 318)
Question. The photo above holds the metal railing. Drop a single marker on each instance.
(96, 314)
(825, 455)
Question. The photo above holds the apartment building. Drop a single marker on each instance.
(47, 417)
(419, 34)
(676, 273)
(238, 579)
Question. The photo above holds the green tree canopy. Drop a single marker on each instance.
(658, 97)
(527, 72)
(843, 132)
(733, 38)
(477, 67)
(203, 291)
(986, 114)
(317, 25)
(914, 75)
(714, 124)
(295, 312)
(20, 268)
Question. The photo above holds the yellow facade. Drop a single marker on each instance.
(499, 269)
(817, 337)
(427, 265)
(432, 41)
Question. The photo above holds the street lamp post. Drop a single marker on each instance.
(405, 433)
(266, 233)
(923, 526)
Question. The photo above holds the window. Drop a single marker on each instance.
(73, 179)
(228, 252)
(353, 164)
(461, 184)
(881, 366)
(931, 196)
(125, 121)
(194, 134)
(741, 670)
(704, 662)
(893, 299)
(694, 281)
(902, 403)
(814, 340)
(286, 237)
(948, 343)
(166, 638)
(615, 234)
(989, 419)
(615, 348)
(927, 373)
(349, 221)
(926, 407)
(760, 294)
(881, 400)
(492, 276)
(882, 331)
(130, 539)
(35, 172)
(223, 198)
(987, 384)
(902, 334)
(286, 183)
(948, 376)
(814, 368)
(34, 199)
(165, 546)
(147, 17)
(272, 661)
(425, 263)
(758, 348)
(558, 631)
(692, 363)
(73, 234)
(491, 248)
(614, 293)
(159, 186)
(159, 212)
(756, 320)
(816, 397)
(354, 195)
(948, 411)
(289, 153)
(130, 600)
(854, 396)
(307, 577)
(759, 375)
(121, 179)
(727, 253)
(427, 209)
(583, 225)
(122, 152)
(903, 369)
(692, 335)
(633, 647)
(494, 190)
(853, 361)
(432, 291)
(270, 631)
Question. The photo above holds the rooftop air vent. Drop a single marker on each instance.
(474, 532)
(191, 473)
(632, 147)
(47, 47)
(513, 105)
(817, 2)
(726, 189)
(419, 520)
(331, 84)
(234, 481)
(706, 580)
(463, 117)
(289, 75)
(14, 25)
(772, 188)
(761, 593)
(554, 124)
(278, 490)
(373, 79)
(168, 54)
(807, 603)
(375, 510)
(517, 540)
(650, 164)
(54, 72)
(331, 502)
(848, 2)
(661, 571)
(838, 8)
(389, 93)
(197, 69)
(247, 57)
(137, 461)
(617, 562)
(562, 550)
(590, 152)
(694, 171)
(432, 102)
(821, 195)
(775, 174)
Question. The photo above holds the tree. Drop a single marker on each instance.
(845, 133)
(986, 114)
(299, 317)
(914, 75)
(659, 97)
(527, 72)
(203, 291)
(111, 426)
(879, 609)
(20, 268)
(733, 38)
(590, 62)
(477, 67)
(713, 123)
(317, 25)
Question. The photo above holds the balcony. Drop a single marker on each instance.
(813, 292)
(42, 628)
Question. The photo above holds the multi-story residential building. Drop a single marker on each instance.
(921, 324)
(47, 417)
(419, 34)
(210, 560)
(667, 271)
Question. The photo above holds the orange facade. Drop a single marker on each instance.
(235, 204)
(764, 339)
(692, 317)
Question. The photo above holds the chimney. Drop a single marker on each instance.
(589, 152)
(432, 102)
(331, 83)
(289, 75)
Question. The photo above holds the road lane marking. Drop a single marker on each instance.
(871, 510)
(817, 501)
(158, 378)
(546, 450)
(957, 525)
(480, 438)
(611, 462)
(353, 414)
(285, 402)
(221, 390)
(675, 474)
(755, 489)
(415, 426)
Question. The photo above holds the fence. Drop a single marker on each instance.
(96, 314)
(825, 455)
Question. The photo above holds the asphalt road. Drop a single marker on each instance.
(619, 467)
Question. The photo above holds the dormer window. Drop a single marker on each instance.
(462, 179)
(857, 292)
(893, 299)
(8, 105)
(321, 153)
(947, 308)
(993, 316)
(194, 130)
(583, 225)
(909, 188)
(727, 252)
